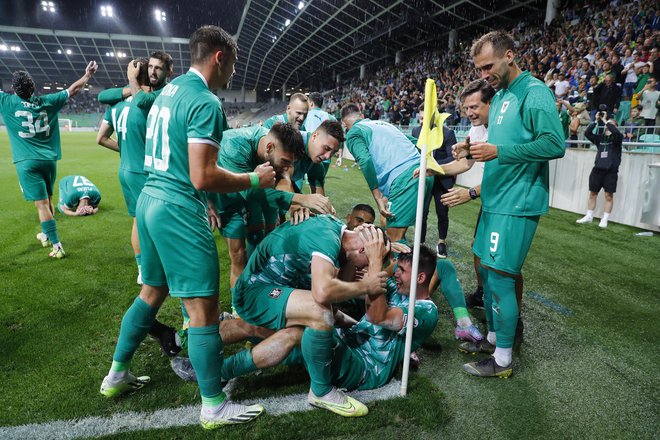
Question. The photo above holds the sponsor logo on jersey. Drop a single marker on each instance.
(275, 293)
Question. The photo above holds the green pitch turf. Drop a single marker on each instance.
(588, 366)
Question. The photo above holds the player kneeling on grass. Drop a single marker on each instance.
(366, 355)
(78, 196)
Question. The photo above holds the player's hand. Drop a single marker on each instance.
(299, 215)
(455, 197)
(133, 70)
(91, 69)
(400, 248)
(317, 203)
(266, 175)
(383, 207)
(428, 173)
(359, 274)
(461, 149)
(214, 218)
(483, 152)
(374, 283)
(372, 238)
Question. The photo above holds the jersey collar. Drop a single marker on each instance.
(198, 73)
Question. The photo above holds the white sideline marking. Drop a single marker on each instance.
(167, 418)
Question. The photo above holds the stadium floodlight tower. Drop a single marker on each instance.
(48, 7)
(160, 15)
(107, 11)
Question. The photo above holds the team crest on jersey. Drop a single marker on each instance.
(275, 293)
(505, 105)
(405, 321)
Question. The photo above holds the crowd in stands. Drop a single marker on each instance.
(595, 56)
(84, 102)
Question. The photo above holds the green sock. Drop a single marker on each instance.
(317, 351)
(451, 287)
(138, 260)
(134, 328)
(49, 227)
(488, 298)
(186, 316)
(505, 307)
(205, 351)
(237, 365)
(119, 366)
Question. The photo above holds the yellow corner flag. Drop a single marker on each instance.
(433, 137)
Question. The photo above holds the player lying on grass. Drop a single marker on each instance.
(78, 196)
(365, 355)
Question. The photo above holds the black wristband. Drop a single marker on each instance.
(473, 193)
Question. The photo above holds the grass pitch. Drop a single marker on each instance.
(588, 366)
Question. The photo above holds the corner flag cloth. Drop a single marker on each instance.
(433, 137)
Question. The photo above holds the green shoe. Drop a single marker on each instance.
(487, 368)
(473, 348)
(129, 383)
(339, 403)
(230, 414)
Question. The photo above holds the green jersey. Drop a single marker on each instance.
(524, 125)
(143, 99)
(32, 125)
(284, 257)
(74, 188)
(115, 117)
(382, 151)
(185, 112)
(268, 123)
(238, 154)
(315, 171)
(382, 350)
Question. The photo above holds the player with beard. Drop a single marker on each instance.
(295, 114)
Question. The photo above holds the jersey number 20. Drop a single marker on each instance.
(157, 124)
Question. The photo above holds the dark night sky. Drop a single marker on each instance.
(130, 17)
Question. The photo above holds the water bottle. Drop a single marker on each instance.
(644, 234)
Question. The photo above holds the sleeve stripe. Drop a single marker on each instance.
(203, 141)
(325, 257)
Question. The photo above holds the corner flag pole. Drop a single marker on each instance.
(429, 107)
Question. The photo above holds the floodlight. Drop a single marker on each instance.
(48, 6)
(68, 52)
(59, 51)
(287, 22)
(301, 5)
(160, 15)
(3, 47)
(107, 11)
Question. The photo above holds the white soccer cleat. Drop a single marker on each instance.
(229, 414)
(57, 252)
(127, 384)
(603, 223)
(585, 219)
(43, 238)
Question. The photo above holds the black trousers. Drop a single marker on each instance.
(440, 186)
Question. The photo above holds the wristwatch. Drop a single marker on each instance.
(473, 193)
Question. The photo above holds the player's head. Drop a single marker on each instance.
(212, 45)
(349, 114)
(403, 272)
(476, 98)
(22, 84)
(297, 109)
(143, 75)
(284, 145)
(160, 68)
(494, 58)
(360, 214)
(353, 246)
(315, 100)
(325, 141)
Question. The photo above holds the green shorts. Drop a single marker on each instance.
(36, 178)
(503, 241)
(349, 369)
(261, 304)
(403, 195)
(234, 225)
(177, 248)
(131, 185)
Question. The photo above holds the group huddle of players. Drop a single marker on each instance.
(183, 173)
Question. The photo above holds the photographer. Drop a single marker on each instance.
(607, 138)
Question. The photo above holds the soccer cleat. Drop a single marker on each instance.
(43, 238)
(415, 362)
(470, 333)
(476, 299)
(487, 368)
(585, 219)
(339, 403)
(482, 346)
(183, 368)
(603, 223)
(128, 383)
(230, 414)
(57, 252)
(139, 278)
(441, 250)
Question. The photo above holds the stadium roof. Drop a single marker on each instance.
(297, 43)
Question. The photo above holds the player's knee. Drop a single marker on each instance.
(609, 197)
(321, 318)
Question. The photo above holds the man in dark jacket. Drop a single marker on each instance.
(608, 94)
(607, 138)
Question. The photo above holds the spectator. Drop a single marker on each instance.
(648, 98)
(632, 124)
(607, 94)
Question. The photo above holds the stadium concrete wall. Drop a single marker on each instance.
(569, 185)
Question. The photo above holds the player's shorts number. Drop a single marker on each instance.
(494, 239)
(157, 124)
(34, 127)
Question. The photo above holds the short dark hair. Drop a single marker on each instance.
(479, 85)
(165, 57)
(366, 208)
(334, 129)
(500, 40)
(208, 39)
(427, 260)
(22, 84)
(299, 97)
(143, 76)
(289, 137)
(316, 98)
(349, 109)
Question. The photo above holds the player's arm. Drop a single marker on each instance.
(90, 70)
(114, 95)
(103, 137)
(65, 210)
(145, 100)
(206, 175)
(381, 314)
